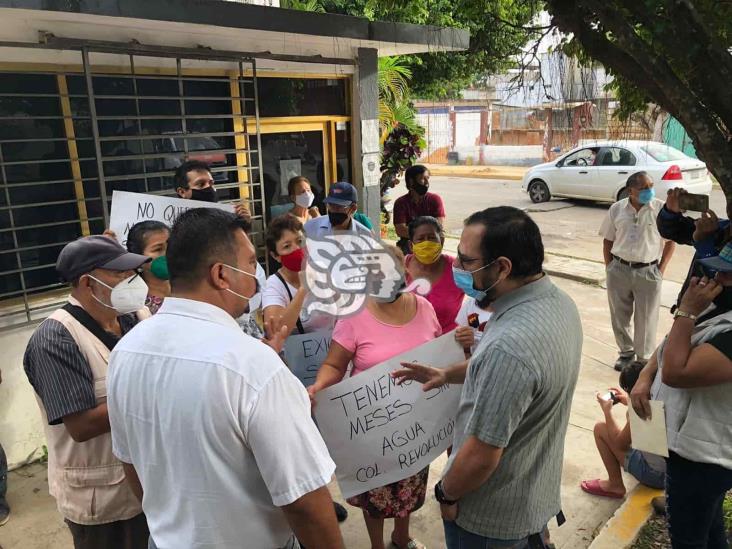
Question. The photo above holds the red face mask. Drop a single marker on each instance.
(294, 260)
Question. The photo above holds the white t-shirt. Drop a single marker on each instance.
(217, 428)
(276, 294)
(472, 315)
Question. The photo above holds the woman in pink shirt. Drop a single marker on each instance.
(427, 261)
(382, 330)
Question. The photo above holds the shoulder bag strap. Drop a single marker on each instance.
(300, 329)
(86, 320)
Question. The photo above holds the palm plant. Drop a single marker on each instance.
(394, 106)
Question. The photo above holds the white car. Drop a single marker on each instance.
(599, 171)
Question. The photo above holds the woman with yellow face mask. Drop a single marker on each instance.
(427, 261)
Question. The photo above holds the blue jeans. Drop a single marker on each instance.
(4, 508)
(636, 465)
(459, 538)
(694, 496)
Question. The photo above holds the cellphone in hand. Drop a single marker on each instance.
(694, 202)
(610, 396)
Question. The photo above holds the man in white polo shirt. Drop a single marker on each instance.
(635, 257)
(209, 419)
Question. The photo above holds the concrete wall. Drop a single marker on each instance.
(21, 431)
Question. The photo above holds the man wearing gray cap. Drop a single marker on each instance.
(66, 363)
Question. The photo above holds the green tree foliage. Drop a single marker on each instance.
(674, 53)
(498, 30)
(303, 5)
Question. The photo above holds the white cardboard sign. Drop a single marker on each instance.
(649, 435)
(304, 354)
(379, 432)
(130, 208)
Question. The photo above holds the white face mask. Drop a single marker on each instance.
(305, 200)
(256, 291)
(126, 297)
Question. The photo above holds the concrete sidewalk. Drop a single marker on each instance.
(478, 172)
(35, 524)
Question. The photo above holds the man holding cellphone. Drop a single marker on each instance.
(636, 257)
(708, 235)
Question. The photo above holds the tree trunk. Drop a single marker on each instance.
(659, 125)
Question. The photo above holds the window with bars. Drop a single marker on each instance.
(62, 156)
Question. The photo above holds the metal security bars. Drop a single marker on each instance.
(70, 138)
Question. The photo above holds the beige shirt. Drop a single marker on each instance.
(634, 233)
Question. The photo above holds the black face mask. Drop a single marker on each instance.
(204, 195)
(421, 190)
(337, 218)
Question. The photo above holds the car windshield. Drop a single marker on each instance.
(663, 153)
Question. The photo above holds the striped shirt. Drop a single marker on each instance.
(58, 371)
(517, 396)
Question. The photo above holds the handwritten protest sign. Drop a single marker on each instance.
(304, 353)
(130, 208)
(378, 432)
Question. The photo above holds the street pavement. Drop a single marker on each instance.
(568, 227)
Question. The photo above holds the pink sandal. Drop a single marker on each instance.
(593, 487)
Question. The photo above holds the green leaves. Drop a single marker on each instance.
(499, 29)
(303, 5)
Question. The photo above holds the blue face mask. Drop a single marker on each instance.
(646, 195)
(464, 280)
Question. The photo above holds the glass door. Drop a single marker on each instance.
(289, 154)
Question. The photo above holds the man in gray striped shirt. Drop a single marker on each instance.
(66, 363)
(503, 479)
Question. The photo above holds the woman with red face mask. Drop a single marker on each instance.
(285, 292)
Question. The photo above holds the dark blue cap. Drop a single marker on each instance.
(342, 194)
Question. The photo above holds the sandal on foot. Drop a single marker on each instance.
(593, 487)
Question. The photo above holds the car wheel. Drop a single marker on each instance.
(539, 192)
(624, 193)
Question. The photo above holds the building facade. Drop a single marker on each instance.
(98, 97)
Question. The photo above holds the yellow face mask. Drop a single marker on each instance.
(427, 251)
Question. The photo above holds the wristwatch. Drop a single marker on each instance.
(441, 497)
(684, 314)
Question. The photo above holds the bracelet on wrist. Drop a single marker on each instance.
(683, 314)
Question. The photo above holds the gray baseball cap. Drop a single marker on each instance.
(95, 252)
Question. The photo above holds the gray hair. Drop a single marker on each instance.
(636, 179)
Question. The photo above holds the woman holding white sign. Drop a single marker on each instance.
(380, 331)
(285, 293)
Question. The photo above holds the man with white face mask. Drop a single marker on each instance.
(214, 430)
(66, 362)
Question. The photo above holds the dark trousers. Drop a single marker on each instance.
(4, 508)
(694, 496)
(123, 534)
(459, 538)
